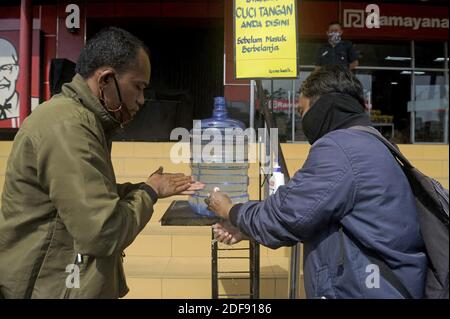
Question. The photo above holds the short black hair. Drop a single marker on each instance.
(335, 22)
(113, 47)
(332, 79)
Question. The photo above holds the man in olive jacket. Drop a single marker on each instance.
(64, 220)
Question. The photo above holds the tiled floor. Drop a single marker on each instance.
(175, 262)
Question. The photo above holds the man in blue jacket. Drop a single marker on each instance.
(350, 203)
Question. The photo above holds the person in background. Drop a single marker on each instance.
(350, 204)
(337, 51)
(64, 221)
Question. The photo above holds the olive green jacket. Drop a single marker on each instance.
(60, 199)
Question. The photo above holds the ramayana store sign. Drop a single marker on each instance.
(356, 18)
(397, 21)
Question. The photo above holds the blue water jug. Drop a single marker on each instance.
(219, 158)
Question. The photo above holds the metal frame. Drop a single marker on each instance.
(412, 136)
(448, 86)
(253, 272)
(412, 68)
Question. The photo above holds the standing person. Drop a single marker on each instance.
(337, 51)
(349, 204)
(64, 221)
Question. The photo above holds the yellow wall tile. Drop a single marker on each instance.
(444, 168)
(5, 148)
(145, 267)
(412, 151)
(281, 288)
(148, 150)
(122, 149)
(3, 162)
(435, 152)
(188, 267)
(253, 170)
(267, 288)
(253, 188)
(421, 151)
(118, 165)
(141, 166)
(294, 165)
(280, 252)
(430, 167)
(186, 288)
(295, 151)
(266, 269)
(234, 286)
(176, 168)
(194, 246)
(2, 184)
(280, 266)
(151, 245)
(242, 286)
(144, 288)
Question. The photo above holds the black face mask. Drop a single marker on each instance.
(123, 115)
(333, 111)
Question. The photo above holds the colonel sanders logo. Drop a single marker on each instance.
(9, 72)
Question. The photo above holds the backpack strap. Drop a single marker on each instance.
(394, 150)
(385, 271)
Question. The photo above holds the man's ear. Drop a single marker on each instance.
(104, 77)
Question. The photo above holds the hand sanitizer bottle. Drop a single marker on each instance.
(276, 180)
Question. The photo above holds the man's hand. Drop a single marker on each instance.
(227, 234)
(168, 184)
(219, 203)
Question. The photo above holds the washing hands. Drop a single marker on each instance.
(224, 232)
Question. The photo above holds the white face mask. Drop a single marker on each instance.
(334, 37)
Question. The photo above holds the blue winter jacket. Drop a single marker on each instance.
(350, 179)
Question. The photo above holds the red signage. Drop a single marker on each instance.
(397, 21)
(407, 22)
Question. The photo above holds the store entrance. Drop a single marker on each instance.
(187, 72)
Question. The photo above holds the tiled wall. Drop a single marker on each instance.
(135, 161)
(174, 262)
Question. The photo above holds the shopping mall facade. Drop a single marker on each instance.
(403, 65)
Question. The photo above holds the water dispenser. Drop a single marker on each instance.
(219, 157)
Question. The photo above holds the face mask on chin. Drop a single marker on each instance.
(334, 37)
(120, 113)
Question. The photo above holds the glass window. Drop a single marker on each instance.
(384, 54)
(299, 136)
(279, 95)
(387, 94)
(429, 54)
(430, 105)
(308, 50)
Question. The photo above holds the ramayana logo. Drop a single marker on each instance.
(357, 18)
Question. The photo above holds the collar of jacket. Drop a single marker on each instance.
(78, 89)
